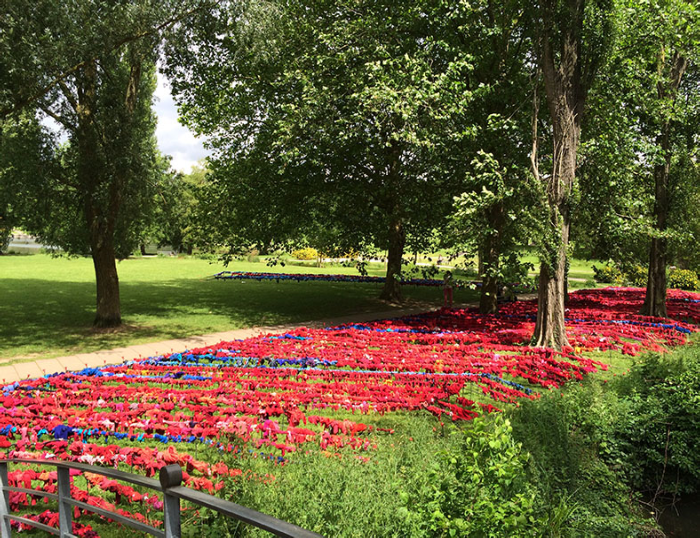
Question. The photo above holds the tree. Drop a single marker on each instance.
(26, 154)
(176, 206)
(643, 139)
(338, 110)
(91, 68)
(494, 214)
(572, 38)
(672, 37)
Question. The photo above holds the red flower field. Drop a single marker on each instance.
(276, 395)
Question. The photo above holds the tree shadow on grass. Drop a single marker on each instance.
(55, 318)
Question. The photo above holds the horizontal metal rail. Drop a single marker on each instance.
(169, 484)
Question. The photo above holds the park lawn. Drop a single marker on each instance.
(48, 304)
(581, 269)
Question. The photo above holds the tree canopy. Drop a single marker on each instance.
(335, 113)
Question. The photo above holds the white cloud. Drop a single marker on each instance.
(173, 138)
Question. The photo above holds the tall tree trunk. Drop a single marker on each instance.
(108, 313)
(550, 329)
(488, 301)
(397, 240)
(100, 226)
(102, 212)
(397, 233)
(490, 260)
(655, 299)
(565, 100)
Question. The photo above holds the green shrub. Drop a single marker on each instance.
(659, 439)
(307, 253)
(208, 256)
(683, 279)
(627, 275)
(580, 493)
(589, 284)
(482, 487)
(608, 274)
(635, 275)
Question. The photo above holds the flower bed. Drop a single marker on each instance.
(299, 277)
(275, 396)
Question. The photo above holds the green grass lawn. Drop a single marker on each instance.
(48, 304)
(581, 269)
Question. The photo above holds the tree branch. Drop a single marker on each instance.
(58, 119)
(80, 65)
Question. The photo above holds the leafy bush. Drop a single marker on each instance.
(590, 283)
(683, 279)
(635, 275)
(580, 493)
(482, 487)
(627, 275)
(307, 253)
(595, 444)
(608, 274)
(659, 439)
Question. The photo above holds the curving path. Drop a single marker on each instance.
(34, 369)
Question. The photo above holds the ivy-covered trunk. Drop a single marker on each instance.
(566, 88)
(550, 330)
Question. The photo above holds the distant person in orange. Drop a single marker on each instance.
(447, 286)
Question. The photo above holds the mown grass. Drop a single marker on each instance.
(579, 269)
(48, 304)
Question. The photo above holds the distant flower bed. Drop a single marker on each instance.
(298, 277)
(274, 396)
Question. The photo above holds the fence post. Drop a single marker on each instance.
(170, 476)
(65, 510)
(5, 531)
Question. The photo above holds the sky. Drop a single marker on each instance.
(173, 138)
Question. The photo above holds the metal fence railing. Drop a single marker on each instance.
(169, 485)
